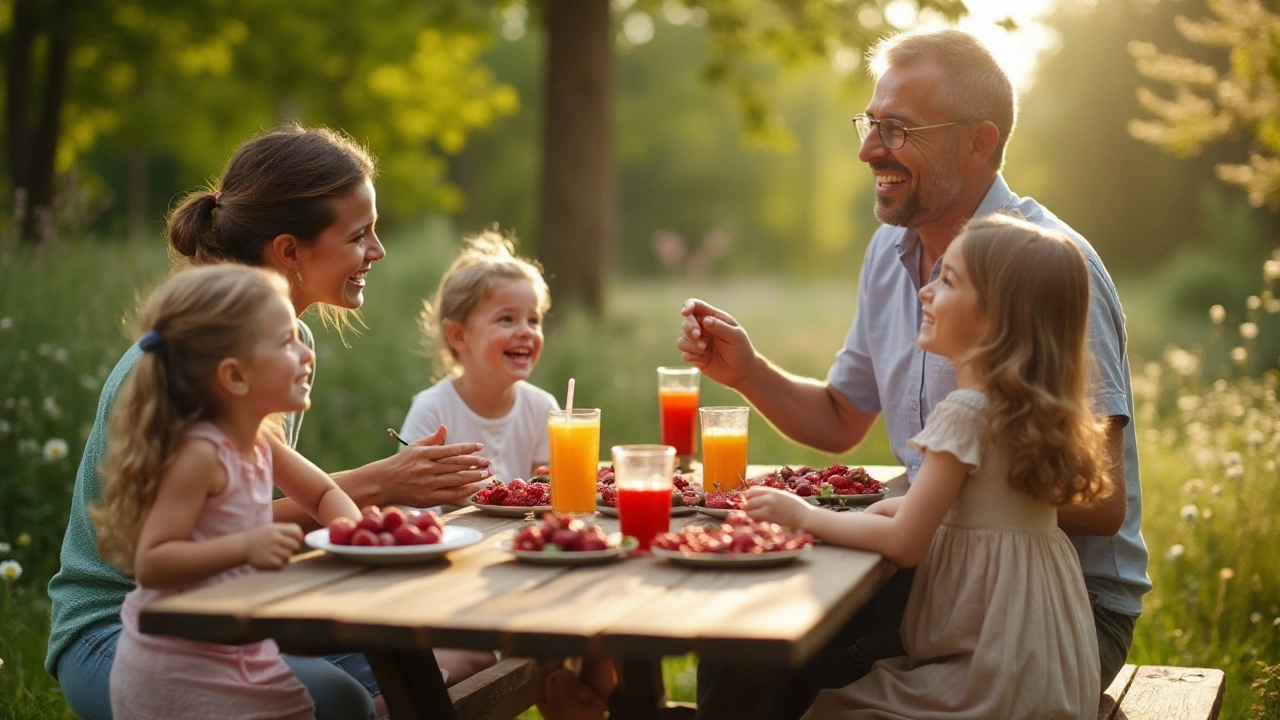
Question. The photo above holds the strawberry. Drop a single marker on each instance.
(340, 531)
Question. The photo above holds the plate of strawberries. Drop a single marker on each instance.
(391, 536)
(836, 485)
(515, 499)
(565, 539)
(684, 496)
(736, 542)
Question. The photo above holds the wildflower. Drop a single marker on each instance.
(5, 548)
(1188, 403)
(24, 540)
(1253, 302)
(1273, 306)
(1234, 472)
(1249, 331)
(1192, 486)
(1255, 617)
(44, 349)
(5, 428)
(1206, 513)
(54, 449)
(1189, 512)
(1216, 489)
(51, 408)
(1226, 574)
(10, 570)
(6, 323)
(1174, 552)
(1239, 355)
(1276, 622)
(60, 356)
(1270, 271)
(27, 446)
(1217, 314)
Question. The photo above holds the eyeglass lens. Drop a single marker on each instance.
(892, 132)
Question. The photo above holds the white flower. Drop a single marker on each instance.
(1174, 552)
(1270, 271)
(1249, 331)
(5, 548)
(10, 570)
(43, 349)
(27, 446)
(1234, 472)
(51, 408)
(61, 356)
(1217, 314)
(6, 322)
(1255, 617)
(54, 449)
(5, 428)
(1239, 355)
(24, 539)
(1253, 302)
(1189, 512)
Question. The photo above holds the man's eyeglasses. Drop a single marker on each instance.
(893, 133)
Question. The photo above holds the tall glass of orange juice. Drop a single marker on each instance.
(724, 447)
(575, 456)
(678, 411)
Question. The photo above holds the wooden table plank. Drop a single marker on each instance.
(1111, 697)
(220, 612)
(1158, 692)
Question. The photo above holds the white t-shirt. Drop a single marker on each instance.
(514, 443)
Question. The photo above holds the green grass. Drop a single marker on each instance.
(60, 334)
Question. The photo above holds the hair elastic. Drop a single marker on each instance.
(152, 342)
(215, 196)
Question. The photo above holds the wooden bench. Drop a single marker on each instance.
(1155, 692)
(503, 691)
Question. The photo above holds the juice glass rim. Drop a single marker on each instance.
(672, 370)
(724, 409)
(574, 414)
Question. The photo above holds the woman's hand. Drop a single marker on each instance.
(777, 506)
(423, 474)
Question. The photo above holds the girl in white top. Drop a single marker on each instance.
(485, 325)
(998, 623)
(187, 486)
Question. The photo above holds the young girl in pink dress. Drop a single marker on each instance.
(188, 486)
(998, 623)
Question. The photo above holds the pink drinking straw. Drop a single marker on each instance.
(568, 400)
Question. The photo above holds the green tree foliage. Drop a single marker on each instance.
(188, 81)
(1208, 105)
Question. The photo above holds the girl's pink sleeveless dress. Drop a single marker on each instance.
(164, 677)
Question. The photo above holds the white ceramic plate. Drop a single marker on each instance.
(715, 512)
(676, 510)
(731, 560)
(512, 511)
(455, 537)
(861, 499)
(561, 557)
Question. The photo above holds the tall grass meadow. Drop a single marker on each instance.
(1210, 431)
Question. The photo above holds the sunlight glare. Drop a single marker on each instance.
(1018, 51)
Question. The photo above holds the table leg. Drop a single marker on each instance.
(641, 695)
(411, 685)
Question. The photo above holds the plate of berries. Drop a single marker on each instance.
(738, 542)
(720, 504)
(565, 539)
(515, 499)
(837, 484)
(391, 536)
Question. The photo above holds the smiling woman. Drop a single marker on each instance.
(299, 201)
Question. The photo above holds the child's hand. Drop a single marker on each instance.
(269, 547)
(774, 505)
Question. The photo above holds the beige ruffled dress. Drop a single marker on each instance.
(998, 624)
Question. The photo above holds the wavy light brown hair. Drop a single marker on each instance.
(488, 257)
(279, 183)
(1034, 361)
(203, 315)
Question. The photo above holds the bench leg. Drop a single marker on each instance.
(641, 695)
(411, 685)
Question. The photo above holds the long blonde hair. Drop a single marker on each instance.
(487, 258)
(194, 320)
(1034, 360)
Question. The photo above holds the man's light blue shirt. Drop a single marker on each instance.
(881, 370)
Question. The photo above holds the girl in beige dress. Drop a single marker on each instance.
(998, 623)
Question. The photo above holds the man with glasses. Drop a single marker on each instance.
(933, 136)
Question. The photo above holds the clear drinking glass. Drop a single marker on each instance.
(575, 457)
(643, 477)
(678, 411)
(724, 447)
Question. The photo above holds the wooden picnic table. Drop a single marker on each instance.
(636, 610)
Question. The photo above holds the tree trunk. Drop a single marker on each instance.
(45, 140)
(575, 224)
(17, 101)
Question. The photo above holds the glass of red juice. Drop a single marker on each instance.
(642, 474)
(678, 412)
